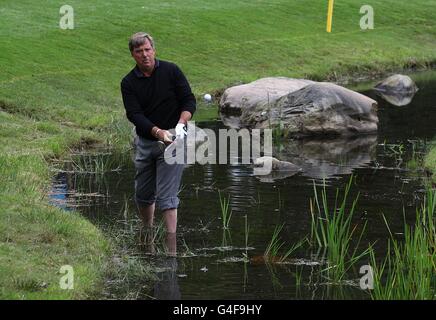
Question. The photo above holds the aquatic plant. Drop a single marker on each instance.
(275, 281)
(97, 163)
(298, 275)
(271, 253)
(416, 161)
(226, 212)
(188, 251)
(246, 233)
(395, 151)
(408, 270)
(334, 231)
(226, 239)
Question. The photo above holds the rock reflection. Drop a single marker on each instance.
(321, 159)
(396, 99)
(397, 89)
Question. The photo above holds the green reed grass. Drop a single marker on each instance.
(430, 160)
(272, 251)
(409, 268)
(226, 211)
(334, 231)
(95, 163)
(226, 239)
(298, 279)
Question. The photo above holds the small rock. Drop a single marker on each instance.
(397, 83)
(398, 90)
(275, 164)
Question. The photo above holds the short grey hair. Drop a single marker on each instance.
(138, 39)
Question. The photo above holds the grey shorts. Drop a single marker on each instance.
(155, 181)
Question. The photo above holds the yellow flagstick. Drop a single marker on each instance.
(330, 16)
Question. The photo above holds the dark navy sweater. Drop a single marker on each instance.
(157, 100)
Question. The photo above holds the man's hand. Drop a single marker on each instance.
(165, 136)
(181, 130)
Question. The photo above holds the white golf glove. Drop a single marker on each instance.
(181, 130)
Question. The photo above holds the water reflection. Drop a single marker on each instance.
(59, 193)
(322, 159)
(318, 158)
(396, 98)
(167, 287)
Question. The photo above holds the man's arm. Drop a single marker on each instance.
(184, 95)
(134, 112)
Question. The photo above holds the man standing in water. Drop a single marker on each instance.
(157, 97)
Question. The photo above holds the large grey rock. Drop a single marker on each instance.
(317, 109)
(398, 90)
(266, 90)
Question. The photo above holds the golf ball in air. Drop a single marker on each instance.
(207, 97)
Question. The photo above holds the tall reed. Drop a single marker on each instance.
(409, 268)
(247, 231)
(334, 231)
(226, 212)
(271, 253)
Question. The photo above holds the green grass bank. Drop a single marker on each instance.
(430, 161)
(59, 89)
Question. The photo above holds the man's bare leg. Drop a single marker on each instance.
(171, 244)
(147, 217)
(170, 217)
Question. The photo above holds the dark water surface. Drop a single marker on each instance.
(209, 263)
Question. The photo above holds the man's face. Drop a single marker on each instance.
(144, 56)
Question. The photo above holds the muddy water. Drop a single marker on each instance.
(210, 261)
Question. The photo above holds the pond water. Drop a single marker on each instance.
(210, 262)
